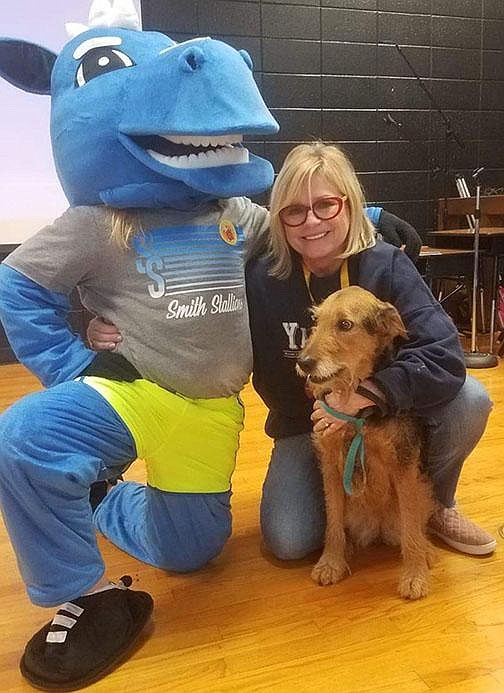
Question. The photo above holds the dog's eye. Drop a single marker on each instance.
(345, 325)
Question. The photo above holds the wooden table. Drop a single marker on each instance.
(436, 262)
(428, 252)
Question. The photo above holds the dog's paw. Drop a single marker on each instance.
(327, 572)
(414, 586)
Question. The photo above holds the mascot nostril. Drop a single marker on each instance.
(192, 59)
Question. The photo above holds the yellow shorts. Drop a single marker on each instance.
(188, 445)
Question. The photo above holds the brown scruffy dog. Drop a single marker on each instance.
(392, 499)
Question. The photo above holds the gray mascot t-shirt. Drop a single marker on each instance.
(177, 295)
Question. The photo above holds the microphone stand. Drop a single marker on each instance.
(473, 359)
(449, 132)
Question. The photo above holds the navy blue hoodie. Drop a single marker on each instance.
(428, 369)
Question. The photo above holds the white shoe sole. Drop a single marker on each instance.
(470, 549)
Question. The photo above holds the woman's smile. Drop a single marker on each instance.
(316, 237)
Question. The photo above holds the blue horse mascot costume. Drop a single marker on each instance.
(147, 140)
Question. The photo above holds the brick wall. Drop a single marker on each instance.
(327, 69)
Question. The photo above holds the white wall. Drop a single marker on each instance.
(30, 193)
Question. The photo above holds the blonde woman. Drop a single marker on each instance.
(320, 240)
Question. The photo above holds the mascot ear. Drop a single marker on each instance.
(26, 65)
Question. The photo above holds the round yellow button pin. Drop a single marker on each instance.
(227, 232)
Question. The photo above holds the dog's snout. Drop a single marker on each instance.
(306, 363)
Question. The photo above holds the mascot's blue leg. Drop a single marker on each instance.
(55, 444)
(173, 531)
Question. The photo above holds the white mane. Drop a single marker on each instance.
(108, 13)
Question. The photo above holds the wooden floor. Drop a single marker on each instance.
(250, 623)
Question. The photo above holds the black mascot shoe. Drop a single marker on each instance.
(86, 638)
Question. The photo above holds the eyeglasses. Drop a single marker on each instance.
(325, 208)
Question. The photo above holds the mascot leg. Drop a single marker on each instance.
(178, 532)
(54, 445)
(182, 518)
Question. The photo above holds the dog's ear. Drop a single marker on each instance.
(390, 323)
(387, 323)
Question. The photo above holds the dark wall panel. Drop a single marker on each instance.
(348, 58)
(330, 69)
(291, 56)
(295, 23)
(457, 8)
(345, 125)
(348, 25)
(390, 63)
(410, 6)
(493, 8)
(412, 29)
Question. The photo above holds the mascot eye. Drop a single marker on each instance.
(98, 62)
(345, 325)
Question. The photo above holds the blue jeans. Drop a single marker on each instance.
(292, 504)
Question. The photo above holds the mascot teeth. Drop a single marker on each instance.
(224, 156)
(214, 150)
(205, 141)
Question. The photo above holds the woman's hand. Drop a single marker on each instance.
(325, 423)
(102, 335)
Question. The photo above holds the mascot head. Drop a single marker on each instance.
(138, 120)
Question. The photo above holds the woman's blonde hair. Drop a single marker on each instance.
(125, 225)
(300, 165)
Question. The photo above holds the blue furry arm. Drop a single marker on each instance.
(34, 320)
(374, 214)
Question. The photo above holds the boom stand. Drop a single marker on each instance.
(449, 133)
(473, 358)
